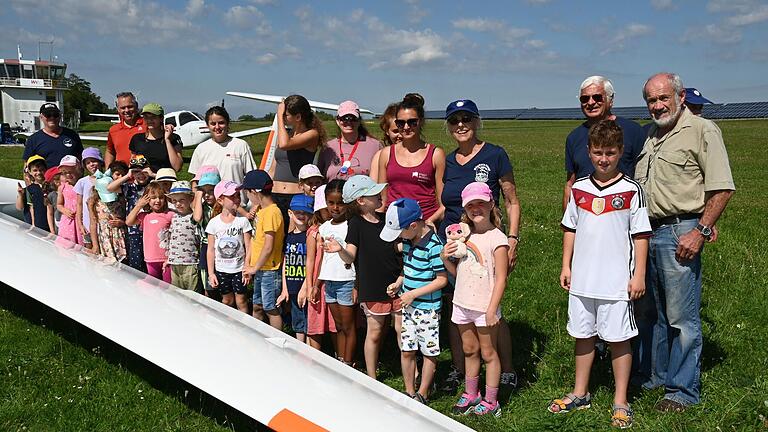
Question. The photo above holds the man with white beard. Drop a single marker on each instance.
(687, 181)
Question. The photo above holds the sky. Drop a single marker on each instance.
(502, 54)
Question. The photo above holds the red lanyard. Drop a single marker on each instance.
(352, 154)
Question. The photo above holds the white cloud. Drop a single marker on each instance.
(416, 13)
(266, 58)
(663, 5)
(623, 36)
(478, 24)
(755, 16)
(195, 7)
(244, 16)
(741, 6)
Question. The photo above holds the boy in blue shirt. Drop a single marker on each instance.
(419, 288)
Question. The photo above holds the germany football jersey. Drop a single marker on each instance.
(605, 220)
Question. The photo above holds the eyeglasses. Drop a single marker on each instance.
(138, 160)
(464, 119)
(348, 119)
(595, 97)
(411, 122)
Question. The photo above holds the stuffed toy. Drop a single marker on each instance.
(459, 233)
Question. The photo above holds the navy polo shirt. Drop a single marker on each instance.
(489, 165)
(577, 156)
(53, 149)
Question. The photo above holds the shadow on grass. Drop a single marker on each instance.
(195, 399)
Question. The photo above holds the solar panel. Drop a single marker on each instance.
(740, 110)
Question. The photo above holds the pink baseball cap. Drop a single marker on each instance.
(204, 169)
(70, 161)
(347, 108)
(476, 191)
(225, 188)
(320, 198)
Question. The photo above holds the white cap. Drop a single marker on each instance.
(309, 171)
(320, 198)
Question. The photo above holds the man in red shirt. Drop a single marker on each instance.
(120, 134)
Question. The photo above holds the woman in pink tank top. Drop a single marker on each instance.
(411, 167)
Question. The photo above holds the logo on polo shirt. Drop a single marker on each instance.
(67, 142)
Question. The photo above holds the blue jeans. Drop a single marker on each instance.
(676, 287)
(266, 288)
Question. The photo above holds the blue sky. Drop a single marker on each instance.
(502, 54)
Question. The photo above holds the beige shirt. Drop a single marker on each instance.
(678, 168)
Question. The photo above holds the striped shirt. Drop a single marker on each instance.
(421, 264)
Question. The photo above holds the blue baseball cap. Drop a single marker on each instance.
(693, 96)
(303, 203)
(257, 180)
(210, 179)
(462, 105)
(400, 214)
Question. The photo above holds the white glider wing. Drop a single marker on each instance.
(250, 132)
(302, 389)
(278, 99)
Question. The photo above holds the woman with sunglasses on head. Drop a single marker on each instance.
(411, 167)
(475, 160)
(295, 148)
(352, 152)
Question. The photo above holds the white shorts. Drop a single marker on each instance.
(612, 320)
(421, 331)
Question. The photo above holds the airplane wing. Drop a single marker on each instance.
(278, 99)
(250, 132)
(93, 138)
(168, 326)
(109, 116)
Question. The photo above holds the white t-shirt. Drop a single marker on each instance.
(232, 158)
(333, 267)
(230, 243)
(605, 219)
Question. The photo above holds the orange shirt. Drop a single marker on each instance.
(119, 138)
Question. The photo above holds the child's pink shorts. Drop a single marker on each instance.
(319, 319)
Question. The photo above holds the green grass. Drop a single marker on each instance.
(52, 377)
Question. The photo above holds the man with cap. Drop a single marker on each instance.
(53, 141)
(686, 177)
(158, 144)
(596, 98)
(120, 134)
(695, 101)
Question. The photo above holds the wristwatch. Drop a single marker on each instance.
(704, 230)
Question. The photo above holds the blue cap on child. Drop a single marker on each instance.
(400, 214)
(301, 202)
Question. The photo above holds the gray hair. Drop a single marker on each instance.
(673, 79)
(601, 81)
(125, 95)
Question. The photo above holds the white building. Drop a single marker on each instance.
(24, 86)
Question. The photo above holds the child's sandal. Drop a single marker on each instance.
(622, 417)
(558, 406)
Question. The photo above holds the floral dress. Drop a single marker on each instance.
(111, 238)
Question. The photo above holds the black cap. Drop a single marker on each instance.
(257, 180)
(49, 108)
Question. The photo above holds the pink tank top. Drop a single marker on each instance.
(416, 182)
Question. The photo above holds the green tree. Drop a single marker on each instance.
(268, 116)
(81, 97)
(246, 117)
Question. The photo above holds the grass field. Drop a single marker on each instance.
(57, 375)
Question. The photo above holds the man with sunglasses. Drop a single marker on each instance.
(596, 98)
(53, 141)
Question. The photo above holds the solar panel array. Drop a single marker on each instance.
(740, 110)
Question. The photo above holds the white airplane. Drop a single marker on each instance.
(188, 125)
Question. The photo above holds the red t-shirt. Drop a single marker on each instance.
(119, 138)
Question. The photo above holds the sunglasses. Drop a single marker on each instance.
(412, 123)
(138, 160)
(52, 115)
(464, 119)
(347, 119)
(595, 97)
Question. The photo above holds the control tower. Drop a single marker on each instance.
(24, 86)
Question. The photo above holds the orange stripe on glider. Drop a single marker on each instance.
(267, 149)
(287, 420)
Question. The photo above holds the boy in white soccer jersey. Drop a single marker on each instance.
(605, 243)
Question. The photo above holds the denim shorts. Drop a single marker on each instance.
(298, 314)
(266, 288)
(339, 292)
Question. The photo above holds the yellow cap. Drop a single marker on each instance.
(32, 159)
